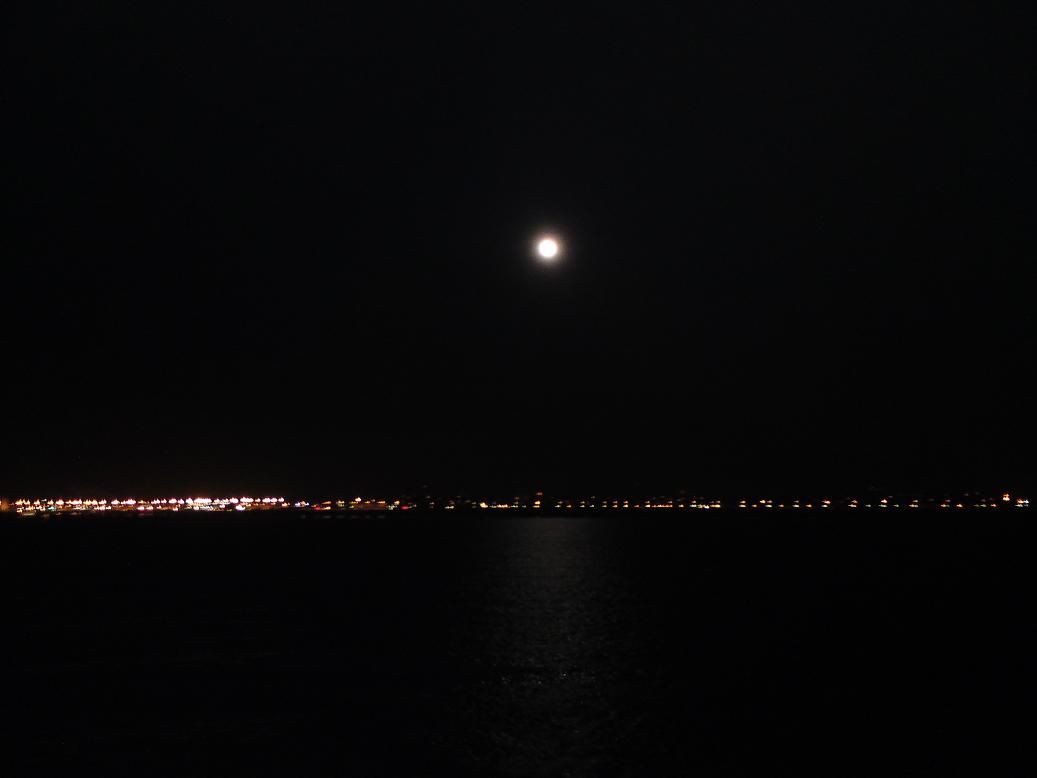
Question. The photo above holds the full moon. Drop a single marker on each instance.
(547, 248)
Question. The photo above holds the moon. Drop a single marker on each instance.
(548, 248)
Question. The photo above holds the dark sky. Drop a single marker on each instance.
(253, 246)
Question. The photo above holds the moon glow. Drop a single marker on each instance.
(548, 248)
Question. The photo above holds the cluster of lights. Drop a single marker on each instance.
(649, 504)
(356, 504)
(824, 503)
(1006, 500)
(245, 503)
(145, 506)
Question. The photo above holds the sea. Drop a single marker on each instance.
(708, 643)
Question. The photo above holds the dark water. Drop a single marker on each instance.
(712, 644)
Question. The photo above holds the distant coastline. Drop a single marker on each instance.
(535, 504)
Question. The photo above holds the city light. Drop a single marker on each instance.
(565, 504)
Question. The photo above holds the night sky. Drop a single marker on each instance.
(287, 249)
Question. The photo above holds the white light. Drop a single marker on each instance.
(548, 248)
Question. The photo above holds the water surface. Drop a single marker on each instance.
(720, 643)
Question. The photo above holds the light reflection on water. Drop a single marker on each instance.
(511, 646)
